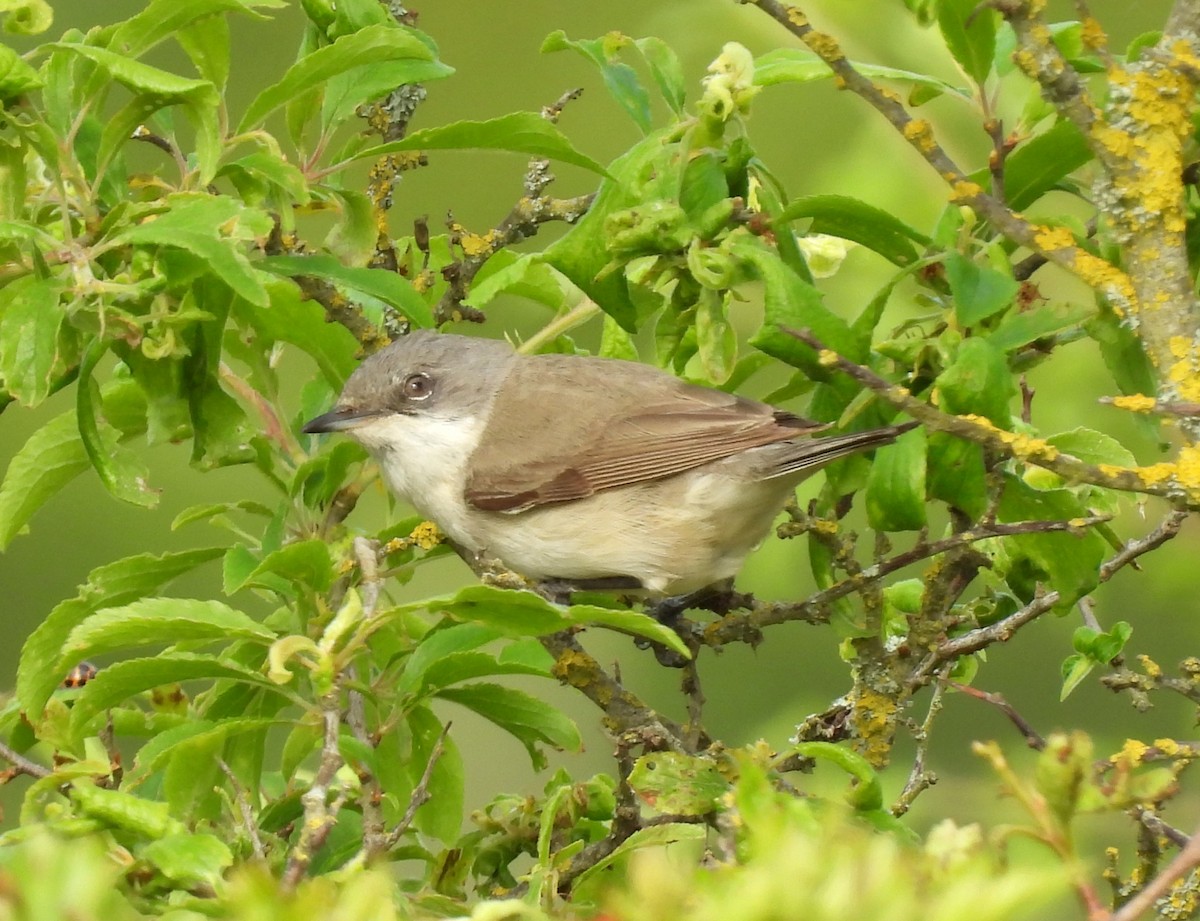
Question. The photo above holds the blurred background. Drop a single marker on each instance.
(816, 140)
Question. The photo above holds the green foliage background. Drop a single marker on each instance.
(818, 140)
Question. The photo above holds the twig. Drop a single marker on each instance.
(366, 553)
(245, 810)
(420, 794)
(1185, 862)
(1009, 444)
(1033, 738)
(319, 816)
(23, 765)
(735, 627)
(1057, 246)
(919, 779)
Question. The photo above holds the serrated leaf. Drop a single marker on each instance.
(464, 666)
(1039, 164)
(518, 132)
(851, 219)
(166, 744)
(306, 563)
(1018, 329)
(440, 642)
(213, 228)
(514, 613)
(52, 457)
(372, 45)
(378, 283)
(189, 858)
(627, 621)
(160, 620)
(675, 783)
(123, 474)
(303, 324)
(442, 816)
(1069, 562)
(194, 513)
(114, 684)
(792, 303)
(1093, 447)
(799, 65)
(895, 495)
(666, 69)
(979, 291)
(620, 79)
(530, 720)
(955, 473)
(656, 836)
(30, 317)
(970, 34)
(41, 666)
(122, 810)
(16, 77)
(978, 382)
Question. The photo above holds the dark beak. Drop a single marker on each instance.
(337, 420)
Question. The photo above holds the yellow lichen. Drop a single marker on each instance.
(874, 719)
(1133, 750)
(826, 46)
(797, 18)
(827, 358)
(1168, 747)
(1135, 403)
(426, 535)
(920, 133)
(1150, 667)
(1092, 34)
(965, 190)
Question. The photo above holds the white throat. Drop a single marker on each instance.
(423, 458)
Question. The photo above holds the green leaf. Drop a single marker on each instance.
(514, 613)
(26, 17)
(30, 317)
(42, 667)
(627, 621)
(387, 286)
(441, 817)
(1074, 669)
(792, 303)
(1069, 562)
(530, 720)
(162, 19)
(135, 76)
(348, 90)
(175, 741)
(189, 858)
(374, 44)
(1018, 329)
(458, 667)
(117, 683)
(979, 291)
(851, 219)
(160, 620)
(587, 884)
(675, 783)
(1093, 447)
(1123, 354)
(518, 132)
(896, 485)
(799, 65)
(666, 69)
(16, 77)
(305, 563)
(122, 473)
(1039, 164)
(978, 382)
(620, 79)
(213, 228)
(125, 811)
(442, 641)
(303, 323)
(970, 33)
(956, 474)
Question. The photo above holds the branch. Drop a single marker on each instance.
(624, 712)
(23, 765)
(319, 817)
(1004, 630)
(420, 794)
(1056, 244)
(1156, 480)
(746, 627)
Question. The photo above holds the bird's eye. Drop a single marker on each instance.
(417, 387)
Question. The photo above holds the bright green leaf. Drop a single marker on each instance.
(387, 286)
(979, 291)
(978, 381)
(31, 314)
(530, 720)
(851, 219)
(896, 486)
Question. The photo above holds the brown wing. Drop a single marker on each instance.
(589, 424)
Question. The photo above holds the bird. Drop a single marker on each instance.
(580, 470)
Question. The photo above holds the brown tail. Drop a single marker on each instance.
(812, 453)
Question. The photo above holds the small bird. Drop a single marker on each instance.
(577, 470)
